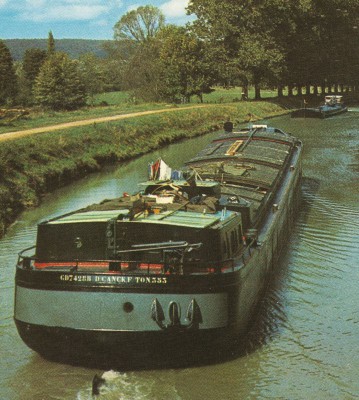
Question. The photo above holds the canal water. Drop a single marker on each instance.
(305, 339)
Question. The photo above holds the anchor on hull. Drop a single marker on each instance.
(193, 315)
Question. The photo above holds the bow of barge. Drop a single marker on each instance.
(181, 263)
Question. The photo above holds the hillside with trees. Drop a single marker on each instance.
(73, 47)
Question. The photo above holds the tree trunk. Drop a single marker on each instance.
(244, 92)
(257, 91)
(290, 90)
(280, 91)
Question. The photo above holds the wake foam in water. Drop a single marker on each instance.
(116, 385)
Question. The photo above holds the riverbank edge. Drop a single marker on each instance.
(31, 167)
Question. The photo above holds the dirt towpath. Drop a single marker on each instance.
(98, 120)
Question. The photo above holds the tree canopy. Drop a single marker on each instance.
(284, 42)
(91, 73)
(33, 59)
(58, 85)
(50, 44)
(139, 25)
(187, 64)
(164, 62)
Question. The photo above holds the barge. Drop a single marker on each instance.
(177, 266)
(333, 105)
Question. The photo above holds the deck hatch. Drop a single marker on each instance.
(184, 218)
(232, 150)
(90, 216)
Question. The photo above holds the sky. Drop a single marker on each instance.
(76, 19)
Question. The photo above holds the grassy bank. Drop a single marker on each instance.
(33, 166)
(115, 103)
(38, 118)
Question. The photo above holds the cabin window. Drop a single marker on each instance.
(232, 241)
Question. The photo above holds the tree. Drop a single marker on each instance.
(58, 85)
(259, 56)
(304, 43)
(119, 54)
(8, 81)
(187, 64)
(92, 74)
(244, 33)
(50, 44)
(32, 62)
(142, 73)
(137, 51)
(319, 41)
(30, 67)
(140, 25)
(336, 27)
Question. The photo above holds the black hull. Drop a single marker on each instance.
(123, 350)
(307, 113)
(335, 112)
(317, 112)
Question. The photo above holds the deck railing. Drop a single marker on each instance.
(134, 267)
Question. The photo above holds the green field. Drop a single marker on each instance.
(234, 94)
(219, 95)
(114, 103)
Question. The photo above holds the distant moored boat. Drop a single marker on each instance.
(333, 105)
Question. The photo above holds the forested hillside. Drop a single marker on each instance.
(73, 47)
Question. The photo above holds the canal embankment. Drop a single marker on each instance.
(32, 165)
